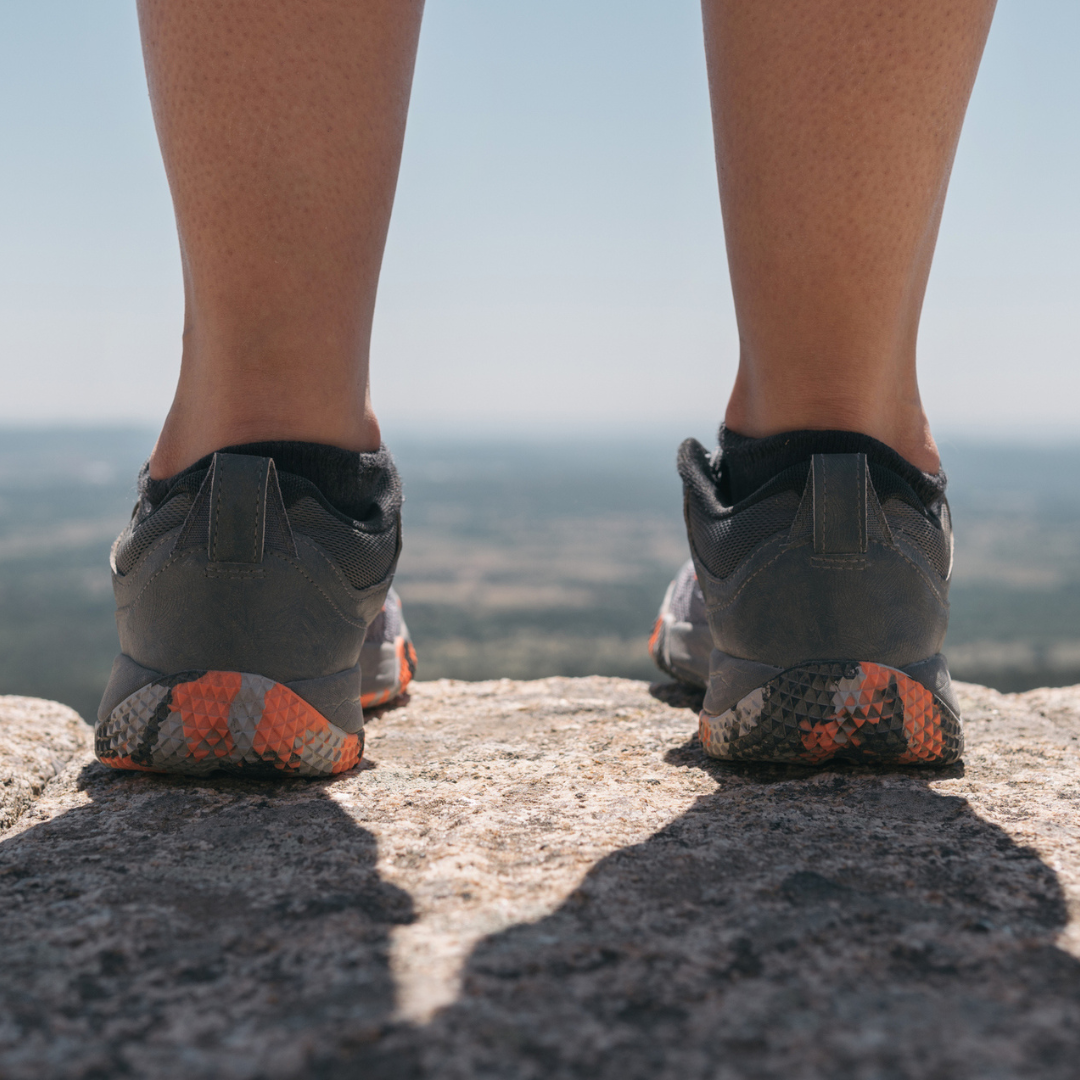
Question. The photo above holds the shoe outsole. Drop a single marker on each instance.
(839, 711)
(199, 722)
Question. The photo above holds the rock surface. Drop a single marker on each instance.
(39, 739)
(542, 880)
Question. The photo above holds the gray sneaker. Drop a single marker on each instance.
(813, 613)
(244, 599)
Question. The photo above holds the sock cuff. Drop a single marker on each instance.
(351, 482)
(747, 463)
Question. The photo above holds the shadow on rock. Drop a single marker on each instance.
(792, 924)
(678, 695)
(193, 928)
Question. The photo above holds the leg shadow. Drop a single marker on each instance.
(678, 695)
(220, 927)
(793, 923)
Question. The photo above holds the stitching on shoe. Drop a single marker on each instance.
(294, 564)
(914, 565)
(838, 562)
(327, 558)
(161, 570)
(922, 573)
(255, 525)
(217, 511)
(863, 545)
(760, 570)
(150, 551)
(298, 567)
(824, 506)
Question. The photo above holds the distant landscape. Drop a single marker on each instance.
(524, 559)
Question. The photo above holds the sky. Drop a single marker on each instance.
(556, 255)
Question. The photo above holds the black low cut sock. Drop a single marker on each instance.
(352, 483)
(746, 464)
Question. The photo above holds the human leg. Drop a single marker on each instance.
(836, 123)
(252, 582)
(281, 126)
(816, 603)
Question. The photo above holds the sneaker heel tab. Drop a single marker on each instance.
(697, 469)
(692, 456)
(700, 482)
(840, 486)
(239, 485)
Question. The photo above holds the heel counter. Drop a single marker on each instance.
(836, 586)
(237, 591)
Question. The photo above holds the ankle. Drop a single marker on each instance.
(190, 434)
(901, 425)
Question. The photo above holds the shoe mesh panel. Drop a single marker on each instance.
(364, 557)
(278, 536)
(878, 529)
(724, 536)
(364, 550)
(724, 541)
(927, 526)
(140, 535)
(197, 531)
(931, 540)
